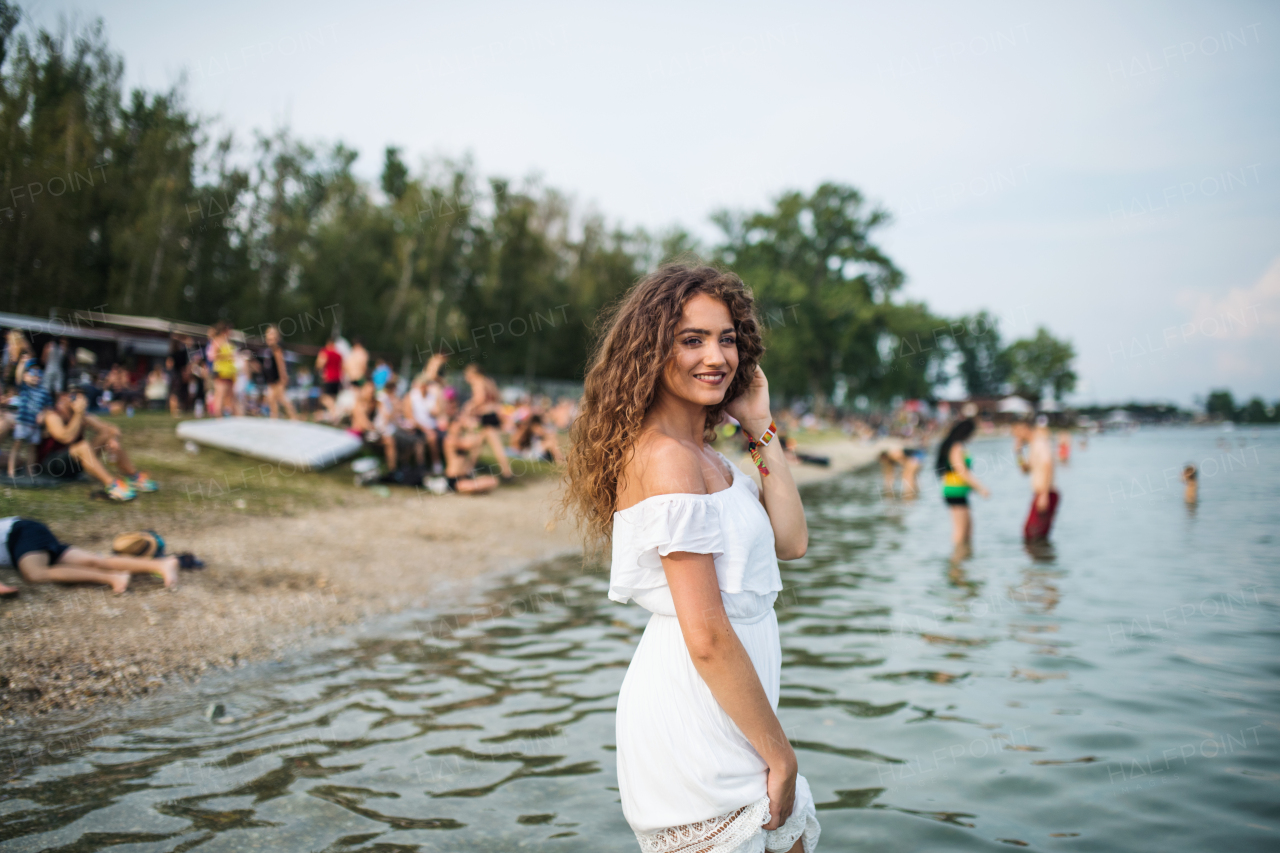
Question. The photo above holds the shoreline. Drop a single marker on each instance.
(277, 585)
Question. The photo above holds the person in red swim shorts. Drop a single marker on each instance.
(1039, 464)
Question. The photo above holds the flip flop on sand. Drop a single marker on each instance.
(189, 561)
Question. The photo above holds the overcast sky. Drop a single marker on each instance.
(1109, 173)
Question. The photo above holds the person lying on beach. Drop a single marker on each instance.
(462, 443)
(37, 554)
(66, 451)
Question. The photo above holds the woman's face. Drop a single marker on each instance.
(273, 337)
(705, 356)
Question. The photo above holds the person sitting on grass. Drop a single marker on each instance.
(421, 408)
(536, 440)
(485, 404)
(39, 557)
(66, 451)
(462, 443)
(395, 430)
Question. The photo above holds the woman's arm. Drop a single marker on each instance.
(724, 665)
(778, 491)
(958, 465)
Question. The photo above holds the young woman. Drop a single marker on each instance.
(957, 481)
(275, 375)
(224, 369)
(703, 763)
(463, 441)
(485, 404)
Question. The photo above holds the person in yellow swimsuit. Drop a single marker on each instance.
(224, 369)
(957, 481)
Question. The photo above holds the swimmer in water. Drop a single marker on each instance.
(1190, 477)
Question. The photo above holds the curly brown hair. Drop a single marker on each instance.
(633, 345)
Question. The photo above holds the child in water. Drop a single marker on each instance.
(1189, 477)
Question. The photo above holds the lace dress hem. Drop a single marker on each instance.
(734, 832)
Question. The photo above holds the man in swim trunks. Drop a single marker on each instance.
(329, 364)
(1039, 464)
(356, 364)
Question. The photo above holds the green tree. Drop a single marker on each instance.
(1221, 405)
(812, 264)
(982, 367)
(1041, 362)
(1255, 412)
(59, 134)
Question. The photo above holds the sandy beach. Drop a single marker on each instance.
(274, 583)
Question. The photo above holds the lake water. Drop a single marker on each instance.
(1117, 692)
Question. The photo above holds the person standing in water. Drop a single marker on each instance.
(1191, 479)
(958, 480)
(703, 762)
(1039, 464)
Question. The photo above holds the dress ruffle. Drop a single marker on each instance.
(656, 528)
(731, 525)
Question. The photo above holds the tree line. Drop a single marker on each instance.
(136, 202)
(1221, 405)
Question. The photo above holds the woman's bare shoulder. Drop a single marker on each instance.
(663, 465)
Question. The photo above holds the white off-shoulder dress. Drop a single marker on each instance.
(690, 781)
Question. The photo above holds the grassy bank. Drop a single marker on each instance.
(208, 488)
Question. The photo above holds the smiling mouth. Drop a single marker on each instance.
(709, 378)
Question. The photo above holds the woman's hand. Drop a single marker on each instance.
(781, 785)
(752, 408)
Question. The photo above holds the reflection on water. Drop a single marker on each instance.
(1114, 688)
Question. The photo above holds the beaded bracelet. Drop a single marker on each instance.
(756, 445)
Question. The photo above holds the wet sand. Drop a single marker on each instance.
(275, 583)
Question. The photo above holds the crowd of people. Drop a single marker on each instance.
(424, 429)
(53, 433)
(1036, 451)
(427, 430)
